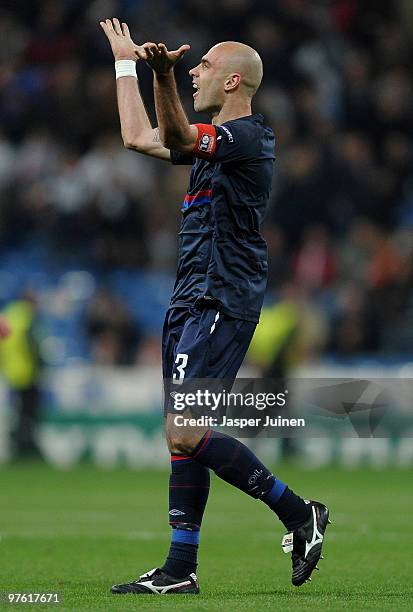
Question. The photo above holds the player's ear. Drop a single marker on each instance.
(232, 81)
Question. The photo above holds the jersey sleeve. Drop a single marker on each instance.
(232, 142)
(181, 159)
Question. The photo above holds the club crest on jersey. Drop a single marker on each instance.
(206, 143)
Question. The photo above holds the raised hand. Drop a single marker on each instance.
(122, 45)
(159, 58)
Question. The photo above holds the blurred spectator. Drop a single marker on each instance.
(20, 366)
(290, 331)
(355, 330)
(302, 190)
(4, 328)
(315, 265)
(114, 338)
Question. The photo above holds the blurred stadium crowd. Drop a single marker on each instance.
(90, 228)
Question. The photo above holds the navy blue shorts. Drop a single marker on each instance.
(202, 343)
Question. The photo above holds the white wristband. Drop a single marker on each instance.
(125, 68)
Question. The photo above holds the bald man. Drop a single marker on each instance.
(219, 289)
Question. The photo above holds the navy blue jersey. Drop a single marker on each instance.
(222, 254)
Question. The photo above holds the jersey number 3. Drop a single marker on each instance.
(181, 362)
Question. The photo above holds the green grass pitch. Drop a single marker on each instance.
(80, 531)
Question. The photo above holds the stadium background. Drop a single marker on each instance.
(88, 239)
(88, 229)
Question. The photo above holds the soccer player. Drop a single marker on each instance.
(219, 287)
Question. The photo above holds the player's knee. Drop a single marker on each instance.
(180, 440)
(178, 443)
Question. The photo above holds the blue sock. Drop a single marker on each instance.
(239, 466)
(188, 495)
(290, 508)
(183, 553)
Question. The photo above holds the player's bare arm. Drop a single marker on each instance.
(137, 131)
(175, 130)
